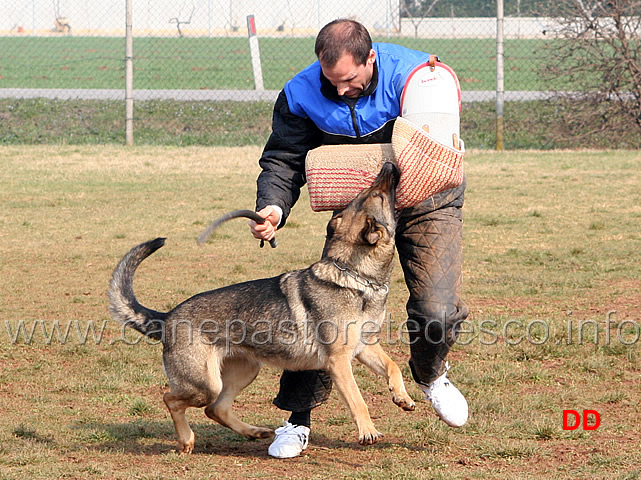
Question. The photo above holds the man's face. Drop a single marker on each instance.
(350, 79)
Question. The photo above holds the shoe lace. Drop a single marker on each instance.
(290, 430)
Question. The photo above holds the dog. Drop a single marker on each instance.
(320, 317)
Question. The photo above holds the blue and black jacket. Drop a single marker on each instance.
(309, 113)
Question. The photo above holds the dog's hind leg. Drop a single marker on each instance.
(374, 357)
(236, 374)
(340, 369)
(190, 387)
(177, 407)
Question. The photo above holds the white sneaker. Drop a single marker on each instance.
(290, 441)
(448, 402)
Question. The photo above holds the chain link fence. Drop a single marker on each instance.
(199, 50)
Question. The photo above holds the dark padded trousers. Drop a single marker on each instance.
(429, 244)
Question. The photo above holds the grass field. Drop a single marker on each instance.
(224, 63)
(528, 125)
(551, 276)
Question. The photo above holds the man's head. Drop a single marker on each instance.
(344, 49)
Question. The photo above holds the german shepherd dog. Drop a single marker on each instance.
(320, 317)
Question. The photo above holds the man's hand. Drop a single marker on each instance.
(267, 230)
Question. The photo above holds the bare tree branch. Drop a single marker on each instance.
(598, 53)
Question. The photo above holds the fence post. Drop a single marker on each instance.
(129, 76)
(500, 88)
(33, 18)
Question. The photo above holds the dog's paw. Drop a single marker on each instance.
(404, 401)
(185, 449)
(370, 438)
(410, 407)
(262, 432)
(186, 444)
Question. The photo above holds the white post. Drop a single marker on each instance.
(500, 87)
(129, 76)
(255, 52)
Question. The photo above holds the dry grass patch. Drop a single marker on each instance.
(551, 247)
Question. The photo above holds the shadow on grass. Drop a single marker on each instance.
(151, 437)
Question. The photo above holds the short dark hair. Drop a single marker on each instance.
(343, 36)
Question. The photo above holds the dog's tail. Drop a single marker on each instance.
(123, 305)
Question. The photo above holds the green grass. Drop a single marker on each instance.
(224, 63)
(44, 121)
(79, 406)
(179, 123)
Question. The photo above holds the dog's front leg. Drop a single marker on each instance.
(340, 369)
(374, 357)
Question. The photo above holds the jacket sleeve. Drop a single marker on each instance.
(283, 159)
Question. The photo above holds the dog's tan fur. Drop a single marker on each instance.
(320, 317)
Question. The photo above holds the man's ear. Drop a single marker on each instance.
(371, 57)
(371, 232)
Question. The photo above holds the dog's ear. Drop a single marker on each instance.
(333, 224)
(372, 231)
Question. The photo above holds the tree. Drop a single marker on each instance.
(468, 8)
(598, 54)
(416, 11)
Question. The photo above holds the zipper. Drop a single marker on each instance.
(352, 111)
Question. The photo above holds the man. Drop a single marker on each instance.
(351, 95)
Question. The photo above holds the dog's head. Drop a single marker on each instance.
(366, 226)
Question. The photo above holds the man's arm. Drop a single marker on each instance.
(283, 161)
